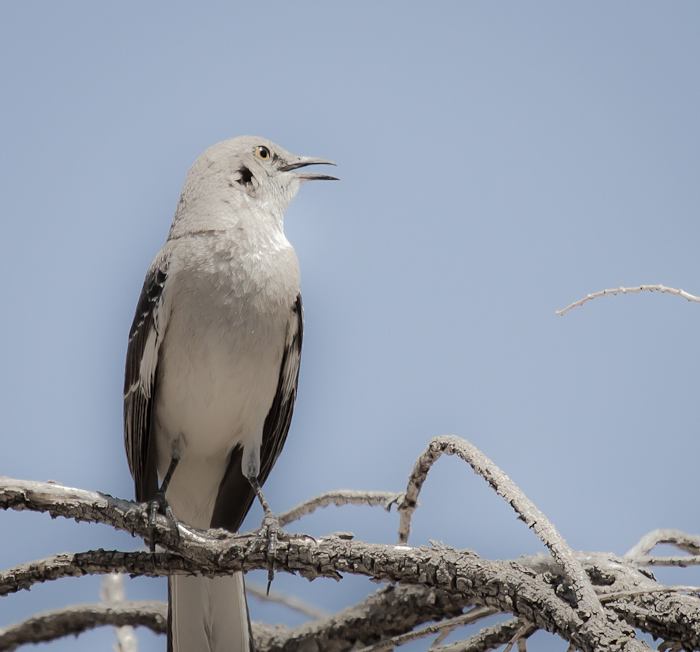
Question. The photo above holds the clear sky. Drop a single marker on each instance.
(498, 161)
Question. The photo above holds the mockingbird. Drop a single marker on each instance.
(212, 365)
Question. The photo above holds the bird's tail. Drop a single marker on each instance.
(208, 614)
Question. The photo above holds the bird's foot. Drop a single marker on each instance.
(270, 530)
(159, 505)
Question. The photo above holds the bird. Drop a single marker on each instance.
(212, 366)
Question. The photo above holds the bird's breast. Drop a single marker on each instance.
(221, 355)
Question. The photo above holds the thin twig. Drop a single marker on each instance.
(383, 499)
(522, 634)
(679, 561)
(288, 601)
(624, 290)
(692, 590)
(472, 616)
(487, 639)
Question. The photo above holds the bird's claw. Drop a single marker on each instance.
(271, 530)
(159, 505)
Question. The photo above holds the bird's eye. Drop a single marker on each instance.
(262, 153)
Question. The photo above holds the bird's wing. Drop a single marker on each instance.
(145, 338)
(235, 493)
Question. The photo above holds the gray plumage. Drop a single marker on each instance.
(213, 362)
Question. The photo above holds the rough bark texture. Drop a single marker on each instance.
(74, 620)
(592, 600)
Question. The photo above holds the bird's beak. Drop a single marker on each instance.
(303, 161)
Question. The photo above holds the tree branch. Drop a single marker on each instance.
(507, 587)
(585, 597)
(487, 639)
(339, 498)
(686, 542)
(472, 616)
(112, 593)
(390, 611)
(633, 290)
(51, 625)
(285, 600)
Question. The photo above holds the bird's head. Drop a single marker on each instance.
(246, 173)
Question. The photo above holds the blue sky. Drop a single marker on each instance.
(498, 161)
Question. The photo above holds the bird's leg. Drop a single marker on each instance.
(159, 503)
(270, 528)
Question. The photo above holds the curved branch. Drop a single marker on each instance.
(50, 625)
(687, 542)
(93, 562)
(633, 290)
(585, 596)
(89, 506)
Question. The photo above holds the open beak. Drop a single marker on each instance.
(302, 162)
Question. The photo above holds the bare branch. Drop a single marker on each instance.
(526, 630)
(608, 573)
(81, 505)
(669, 616)
(391, 610)
(687, 542)
(504, 586)
(623, 290)
(472, 616)
(50, 625)
(487, 639)
(382, 614)
(394, 610)
(286, 600)
(22, 577)
(585, 596)
(339, 498)
(635, 595)
(692, 590)
(113, 593)
(680, 561)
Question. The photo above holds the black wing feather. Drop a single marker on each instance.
(139, 391)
